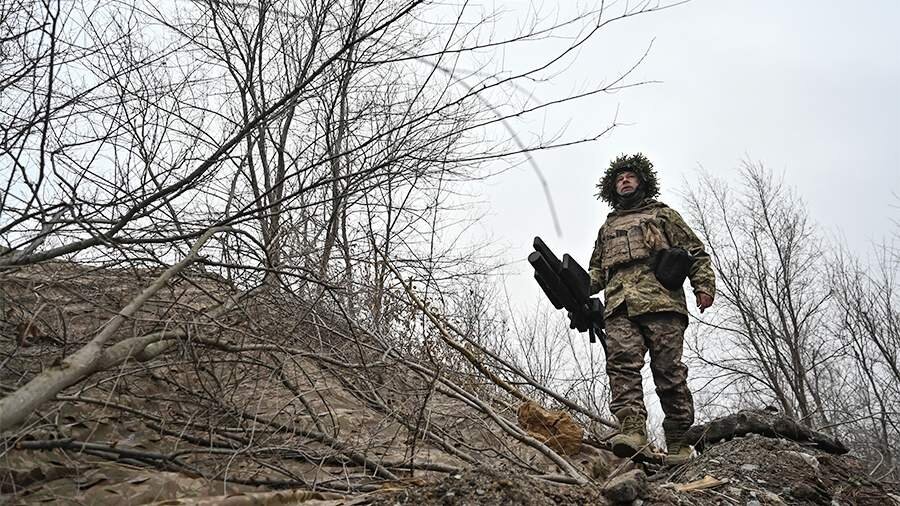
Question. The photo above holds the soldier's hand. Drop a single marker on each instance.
(704, 300)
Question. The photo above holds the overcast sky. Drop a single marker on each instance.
(808, 88)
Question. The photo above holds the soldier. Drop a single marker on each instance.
(641, 314)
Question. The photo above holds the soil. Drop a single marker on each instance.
(754, 471)
(488, 486)
(772, 471)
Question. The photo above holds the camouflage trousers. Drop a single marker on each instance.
(629, 340)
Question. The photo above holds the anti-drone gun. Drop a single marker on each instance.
(567, 285)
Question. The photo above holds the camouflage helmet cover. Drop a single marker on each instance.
(637, 163)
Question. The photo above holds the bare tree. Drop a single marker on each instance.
(869, 321)
(772, 294)
(801, 325)
(282, 178)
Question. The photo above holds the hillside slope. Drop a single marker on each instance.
(277, 402)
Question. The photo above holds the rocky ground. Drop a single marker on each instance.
(752, 470)
(488, 486)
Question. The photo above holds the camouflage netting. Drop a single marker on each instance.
(637, 163)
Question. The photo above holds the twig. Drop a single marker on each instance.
(515, 392)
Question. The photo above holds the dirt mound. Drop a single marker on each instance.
(753, 470)
(281, 396)
(776, 471)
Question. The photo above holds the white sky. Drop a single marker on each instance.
(809, 88)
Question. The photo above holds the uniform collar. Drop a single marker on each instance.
(643, 205)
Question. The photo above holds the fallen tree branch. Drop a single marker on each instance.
(378, 405)
(325, 439)
(445, 336)
(281, 498)
(763, 423)
(531, 381)
(452, 390)
(168, 463)
(440, 323)
(17, 406)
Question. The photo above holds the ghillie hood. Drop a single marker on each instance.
(637, 163)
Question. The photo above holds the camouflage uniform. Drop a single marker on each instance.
(643, 315)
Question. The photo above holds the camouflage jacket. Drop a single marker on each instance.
(632, 282)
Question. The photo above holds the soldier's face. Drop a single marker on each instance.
(626, 182)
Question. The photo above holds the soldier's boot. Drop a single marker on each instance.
(632, 438)
(677, 450)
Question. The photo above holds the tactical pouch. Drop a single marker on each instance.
(672, 266)
(631, 237)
